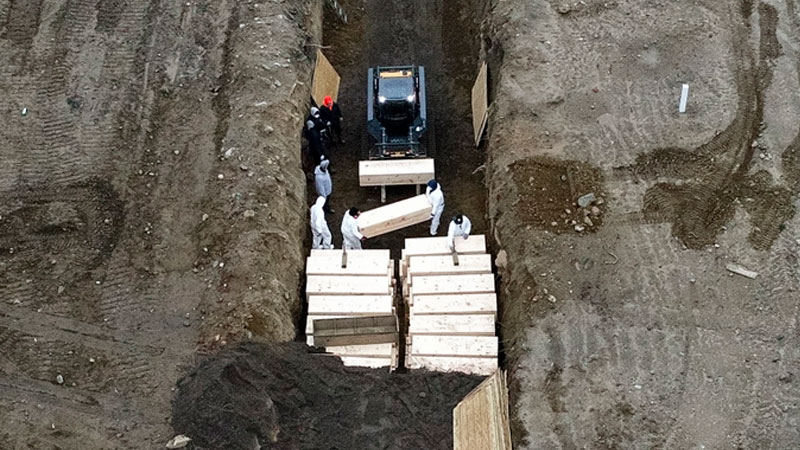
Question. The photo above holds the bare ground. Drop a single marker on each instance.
(136, 135)
(631, 333)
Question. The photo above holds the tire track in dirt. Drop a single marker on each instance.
(51, 240)
(648, 302)
(121, 97)
(714, 178)
(64, 223)
(21, 21)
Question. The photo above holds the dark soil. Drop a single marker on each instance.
(280, 396)
(551, 188)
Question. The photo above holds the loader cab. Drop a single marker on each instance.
(397, 98)
(396, 111)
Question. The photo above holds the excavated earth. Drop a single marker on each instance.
(628, 332)
(280, 396)
(151, 204)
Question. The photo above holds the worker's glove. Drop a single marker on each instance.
(329, 123)
(432, 214)
(363, 238)
(466, 237)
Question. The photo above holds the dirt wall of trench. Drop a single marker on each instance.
(260, 214)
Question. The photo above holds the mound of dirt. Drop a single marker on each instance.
(280, 396)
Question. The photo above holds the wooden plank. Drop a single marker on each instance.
(473, 346)
(438, 246)
(481, 419)
(348, 285)
(361, 361)
(326, 80)
(374, 350)
(355, 266)
(365, 253)
(741, 270)
(480, 103)
(474, 366)
(454, 304)
(452, 325)
(452, 284)
(403, 265)
(362, 330)
(358, 305)
(356, 350)
(443, 265)
(394, 216)
(395, 172)
(310, 322)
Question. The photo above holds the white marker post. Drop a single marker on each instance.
(684, 98)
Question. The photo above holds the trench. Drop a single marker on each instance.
(444, 37)
(355, 407)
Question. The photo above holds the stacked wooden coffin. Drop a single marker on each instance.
(451, 307)
(351, 306)
(394, 216)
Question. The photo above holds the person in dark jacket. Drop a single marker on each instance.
(315, 116)
(316, 146)
(332, 117)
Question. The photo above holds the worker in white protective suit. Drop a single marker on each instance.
(460, 226)
(320, 233)
(324, 184)
(436, 199)
(351, 235)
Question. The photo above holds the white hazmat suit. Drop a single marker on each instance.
(322, 179)
(320, 233)
(350, 233)
(455, 230)
(436, 199)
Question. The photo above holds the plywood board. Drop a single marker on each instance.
(358, 305)
(474, 346)
(361, 361)
(452, 325)
(394, 216)
(438, 246)
(454, 304)
(481, 419)
(443, 265)
(453, 284)
(395, 172)
(355, 266)
(312, 343)
(374, 350)
(365, 253)
(348, 285)
(362, 330)
(310, 323)
(326, 80)
(474, 366)
(480, 103)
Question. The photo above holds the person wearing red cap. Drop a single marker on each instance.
(332, 117)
